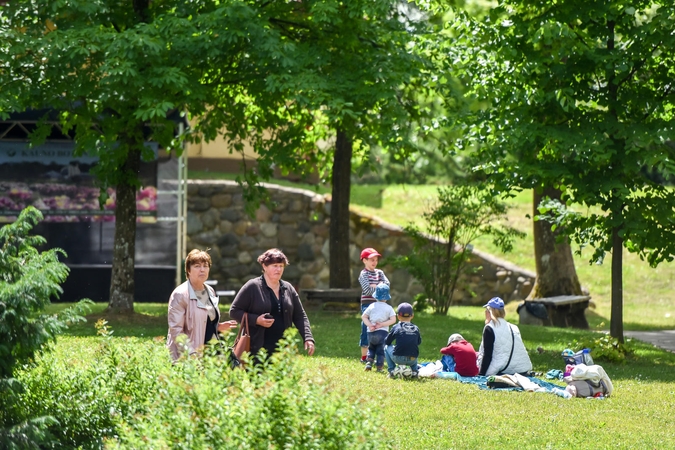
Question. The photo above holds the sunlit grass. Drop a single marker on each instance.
(649, 300)
(444, 414)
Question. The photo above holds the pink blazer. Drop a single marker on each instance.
(185, 317)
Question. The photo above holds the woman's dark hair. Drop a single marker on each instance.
(273, 256)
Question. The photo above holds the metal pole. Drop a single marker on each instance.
(181, 208)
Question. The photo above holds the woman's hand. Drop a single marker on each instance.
(309, 346)
(262, 321)
(227, 325)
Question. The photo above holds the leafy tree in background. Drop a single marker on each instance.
(554, 262)
(581, 100)
(361, 66)
(117, 70)
(279, 75)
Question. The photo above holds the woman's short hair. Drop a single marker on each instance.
(273, 256)
(195, 257)
(496, 313)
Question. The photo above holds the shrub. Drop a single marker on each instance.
(442, 248)
(28, 279)
(604, 348)
(205, 404)
(90, 399)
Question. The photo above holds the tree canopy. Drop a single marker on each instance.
(116, 70)
(578, 96)
(279, 75)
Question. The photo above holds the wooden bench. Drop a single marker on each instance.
(565, 310)
(332, 299)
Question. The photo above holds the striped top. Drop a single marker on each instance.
(368, 277)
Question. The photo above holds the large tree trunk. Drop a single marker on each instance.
(124, 244)
(616, 321)
(556, 274)
(340, 272)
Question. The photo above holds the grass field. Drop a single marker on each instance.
(446, 414)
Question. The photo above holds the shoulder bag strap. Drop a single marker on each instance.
(242, 327)
(244, 323)
(513, 344)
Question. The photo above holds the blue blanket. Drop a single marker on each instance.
(481, 382)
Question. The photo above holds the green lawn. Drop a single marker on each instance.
(649, 300)
(444, 414)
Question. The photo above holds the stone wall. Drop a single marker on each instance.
(298, 224)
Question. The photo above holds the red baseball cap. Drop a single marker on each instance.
(368, 252)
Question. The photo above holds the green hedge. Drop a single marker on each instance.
(124, 393)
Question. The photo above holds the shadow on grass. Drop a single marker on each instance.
(337, 336)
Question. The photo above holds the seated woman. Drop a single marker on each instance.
(502, 350)
(464, 355)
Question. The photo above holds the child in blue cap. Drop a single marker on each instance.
(407, 336)
(377, 317)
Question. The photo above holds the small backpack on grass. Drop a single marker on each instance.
(590, 381)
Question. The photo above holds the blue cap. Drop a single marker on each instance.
(405, 310)
(382, 292)
(495, 302)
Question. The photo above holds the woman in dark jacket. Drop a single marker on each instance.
(272, 305)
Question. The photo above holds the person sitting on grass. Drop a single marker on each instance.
(408, 339)
(463, 354)
(377, 317)
(502, 351)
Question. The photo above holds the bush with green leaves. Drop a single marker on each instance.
(441, 249)
(91, 388)
(604, 348)
(206, 404)
(28, 280)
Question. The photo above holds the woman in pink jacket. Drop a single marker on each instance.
(193, 308)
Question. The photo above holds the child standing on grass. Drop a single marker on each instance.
(408, 340)
(377, 317)
(369, 278)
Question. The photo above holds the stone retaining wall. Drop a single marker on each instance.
(298, 224)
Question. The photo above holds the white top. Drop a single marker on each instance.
(379, 312)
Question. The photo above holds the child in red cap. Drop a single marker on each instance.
(369, 278)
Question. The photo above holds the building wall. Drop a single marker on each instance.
(297, 222)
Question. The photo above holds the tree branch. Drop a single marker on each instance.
(638, 65)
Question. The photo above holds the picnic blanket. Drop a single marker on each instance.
(526, 383)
